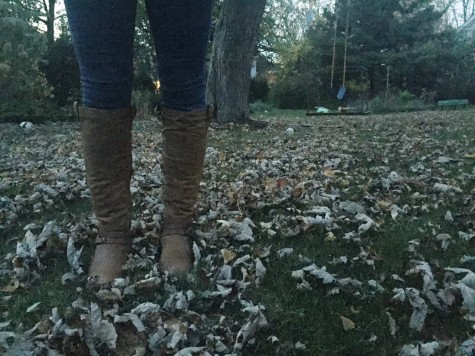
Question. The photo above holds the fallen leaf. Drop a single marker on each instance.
(392, 325)
(249, 329)
(4, 337)
(228, 255)
(12, 286)
(107, 334)
(285, 252)
(73, 256)
(33, 307)
(347, 323)
(429, 348)
(330, 237)
(328, 172)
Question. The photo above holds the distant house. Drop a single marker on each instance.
(468, 27)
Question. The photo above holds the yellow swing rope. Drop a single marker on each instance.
(334, 49)
(346, 40)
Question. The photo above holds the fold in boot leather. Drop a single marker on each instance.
(107, 147)
(184, 146)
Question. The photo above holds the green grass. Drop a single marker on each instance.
(379, 144)
(50, 292)
(313, 317)
(48, 289)
(281, 113)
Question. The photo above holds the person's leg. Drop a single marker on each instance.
(102, 33)
(180, 30)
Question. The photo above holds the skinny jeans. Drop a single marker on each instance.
(103, 38)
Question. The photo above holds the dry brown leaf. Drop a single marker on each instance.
(228, 255)
(330, 237)
(347, 323)
(328, 172)
(297, 191)
(384, 204)
(12, 286)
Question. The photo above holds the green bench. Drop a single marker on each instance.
(453, 103)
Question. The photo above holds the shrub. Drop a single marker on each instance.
(260, 107)
(405, 97)
(289, 93)
(397, 101)
(25, 93)
(62, 72)
(259, 90)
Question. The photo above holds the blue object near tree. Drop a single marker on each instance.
(341, 93)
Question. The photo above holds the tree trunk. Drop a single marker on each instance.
(50, 17)
(232, 54)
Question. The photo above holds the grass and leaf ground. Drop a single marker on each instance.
(345, 236)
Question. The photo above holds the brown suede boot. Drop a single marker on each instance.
(107, 148)
(184, 147)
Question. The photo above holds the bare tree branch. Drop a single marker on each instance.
(45, 6)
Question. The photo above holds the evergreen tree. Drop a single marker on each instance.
(403, 41)
(24, 91)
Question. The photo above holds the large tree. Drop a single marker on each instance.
(281, 26)
(406, 39)
(405, 35)
(43, 13)
(233, 49)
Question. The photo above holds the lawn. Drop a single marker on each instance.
(346, 236)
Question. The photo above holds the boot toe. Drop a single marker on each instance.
(176, 256)
(106, 264)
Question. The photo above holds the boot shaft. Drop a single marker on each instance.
(184, 147)
(107, 148)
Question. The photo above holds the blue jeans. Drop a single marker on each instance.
(103, 35)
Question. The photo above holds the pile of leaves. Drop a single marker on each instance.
(340, 183)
